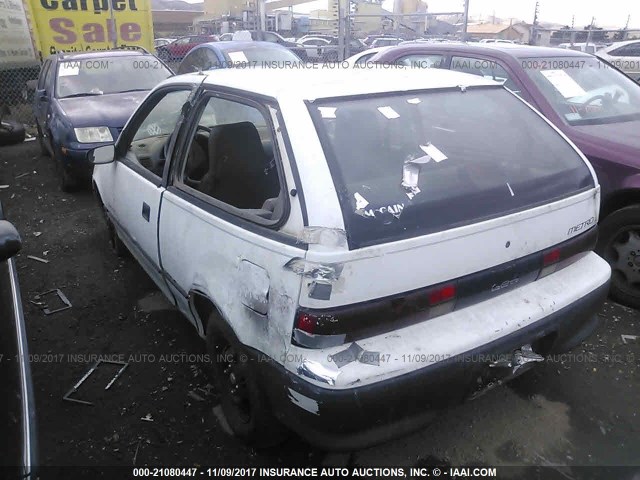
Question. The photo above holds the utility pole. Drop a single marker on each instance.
(593, 20)
(534, 29)
(262, 15)
(465, 21)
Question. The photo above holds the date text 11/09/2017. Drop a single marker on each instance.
(310, 472)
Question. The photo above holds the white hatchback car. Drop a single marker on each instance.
(358, 250)
(624, 56)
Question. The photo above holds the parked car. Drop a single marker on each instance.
(225, 37)
(580, 47)
(178, 49)
(371, 38)
(593, 103)
(273, 37)
(18, 442)
(362, 59)
(625, 56)
(84, 99)
(317, 49)
(385, 42)
(210, 56)
(160, 42)
(495, 40)
(308, 185)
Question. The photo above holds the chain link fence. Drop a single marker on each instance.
(17, 87)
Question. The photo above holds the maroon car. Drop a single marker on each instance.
(178, 49)
(593, 103)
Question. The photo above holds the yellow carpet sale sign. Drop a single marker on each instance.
(84, 25)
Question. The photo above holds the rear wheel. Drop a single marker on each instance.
(243, 402)
(619, 244)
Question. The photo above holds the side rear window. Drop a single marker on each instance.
(489, 69)
(410, 164)
(421, 61)
(231, 160)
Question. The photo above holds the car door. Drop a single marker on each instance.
(224, 220)
(627, 59)
(43, 95)
(136, 187)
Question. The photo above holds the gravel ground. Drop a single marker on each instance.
(577, 410)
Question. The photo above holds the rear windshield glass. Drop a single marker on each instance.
(410, 164)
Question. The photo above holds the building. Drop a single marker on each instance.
(226, 8)
(494, 30)
(173, 23)
(525, 30)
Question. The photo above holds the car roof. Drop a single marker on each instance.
(313, 83)
(239, 44)
(99, 54)
(506, 49)
(615, 45)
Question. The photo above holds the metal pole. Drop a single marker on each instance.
(347, 50)
(466, 20)
(114, 30)
(262, 12)
(341, 29)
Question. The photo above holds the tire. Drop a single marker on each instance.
(11, 132)
(44, 151)
(619, 244)
(243, 402)
(68, 183)
(117, 245)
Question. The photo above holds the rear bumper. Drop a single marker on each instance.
(346, 419)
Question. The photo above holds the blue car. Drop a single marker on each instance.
(83, 100)
(214, 55)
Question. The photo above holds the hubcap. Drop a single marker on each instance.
(626, 258)
(232, 371)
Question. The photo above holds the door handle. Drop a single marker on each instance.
(146, 211)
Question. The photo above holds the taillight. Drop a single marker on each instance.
(551, 257)
(550, 261)
(327, 328)
(306, 322)
(442, 294)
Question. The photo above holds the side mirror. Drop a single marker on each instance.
(10, 242)
(102, 155)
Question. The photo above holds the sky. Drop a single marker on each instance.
(608, 13)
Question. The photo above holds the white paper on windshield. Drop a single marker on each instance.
(562, 82)
(327, 112)
(69, 68)
(237, 57)
(414, 101)
(361, 202)
(389, 112)
(433, 151)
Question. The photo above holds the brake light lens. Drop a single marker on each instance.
(442, 295)
(306, 322)
(551, 257)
